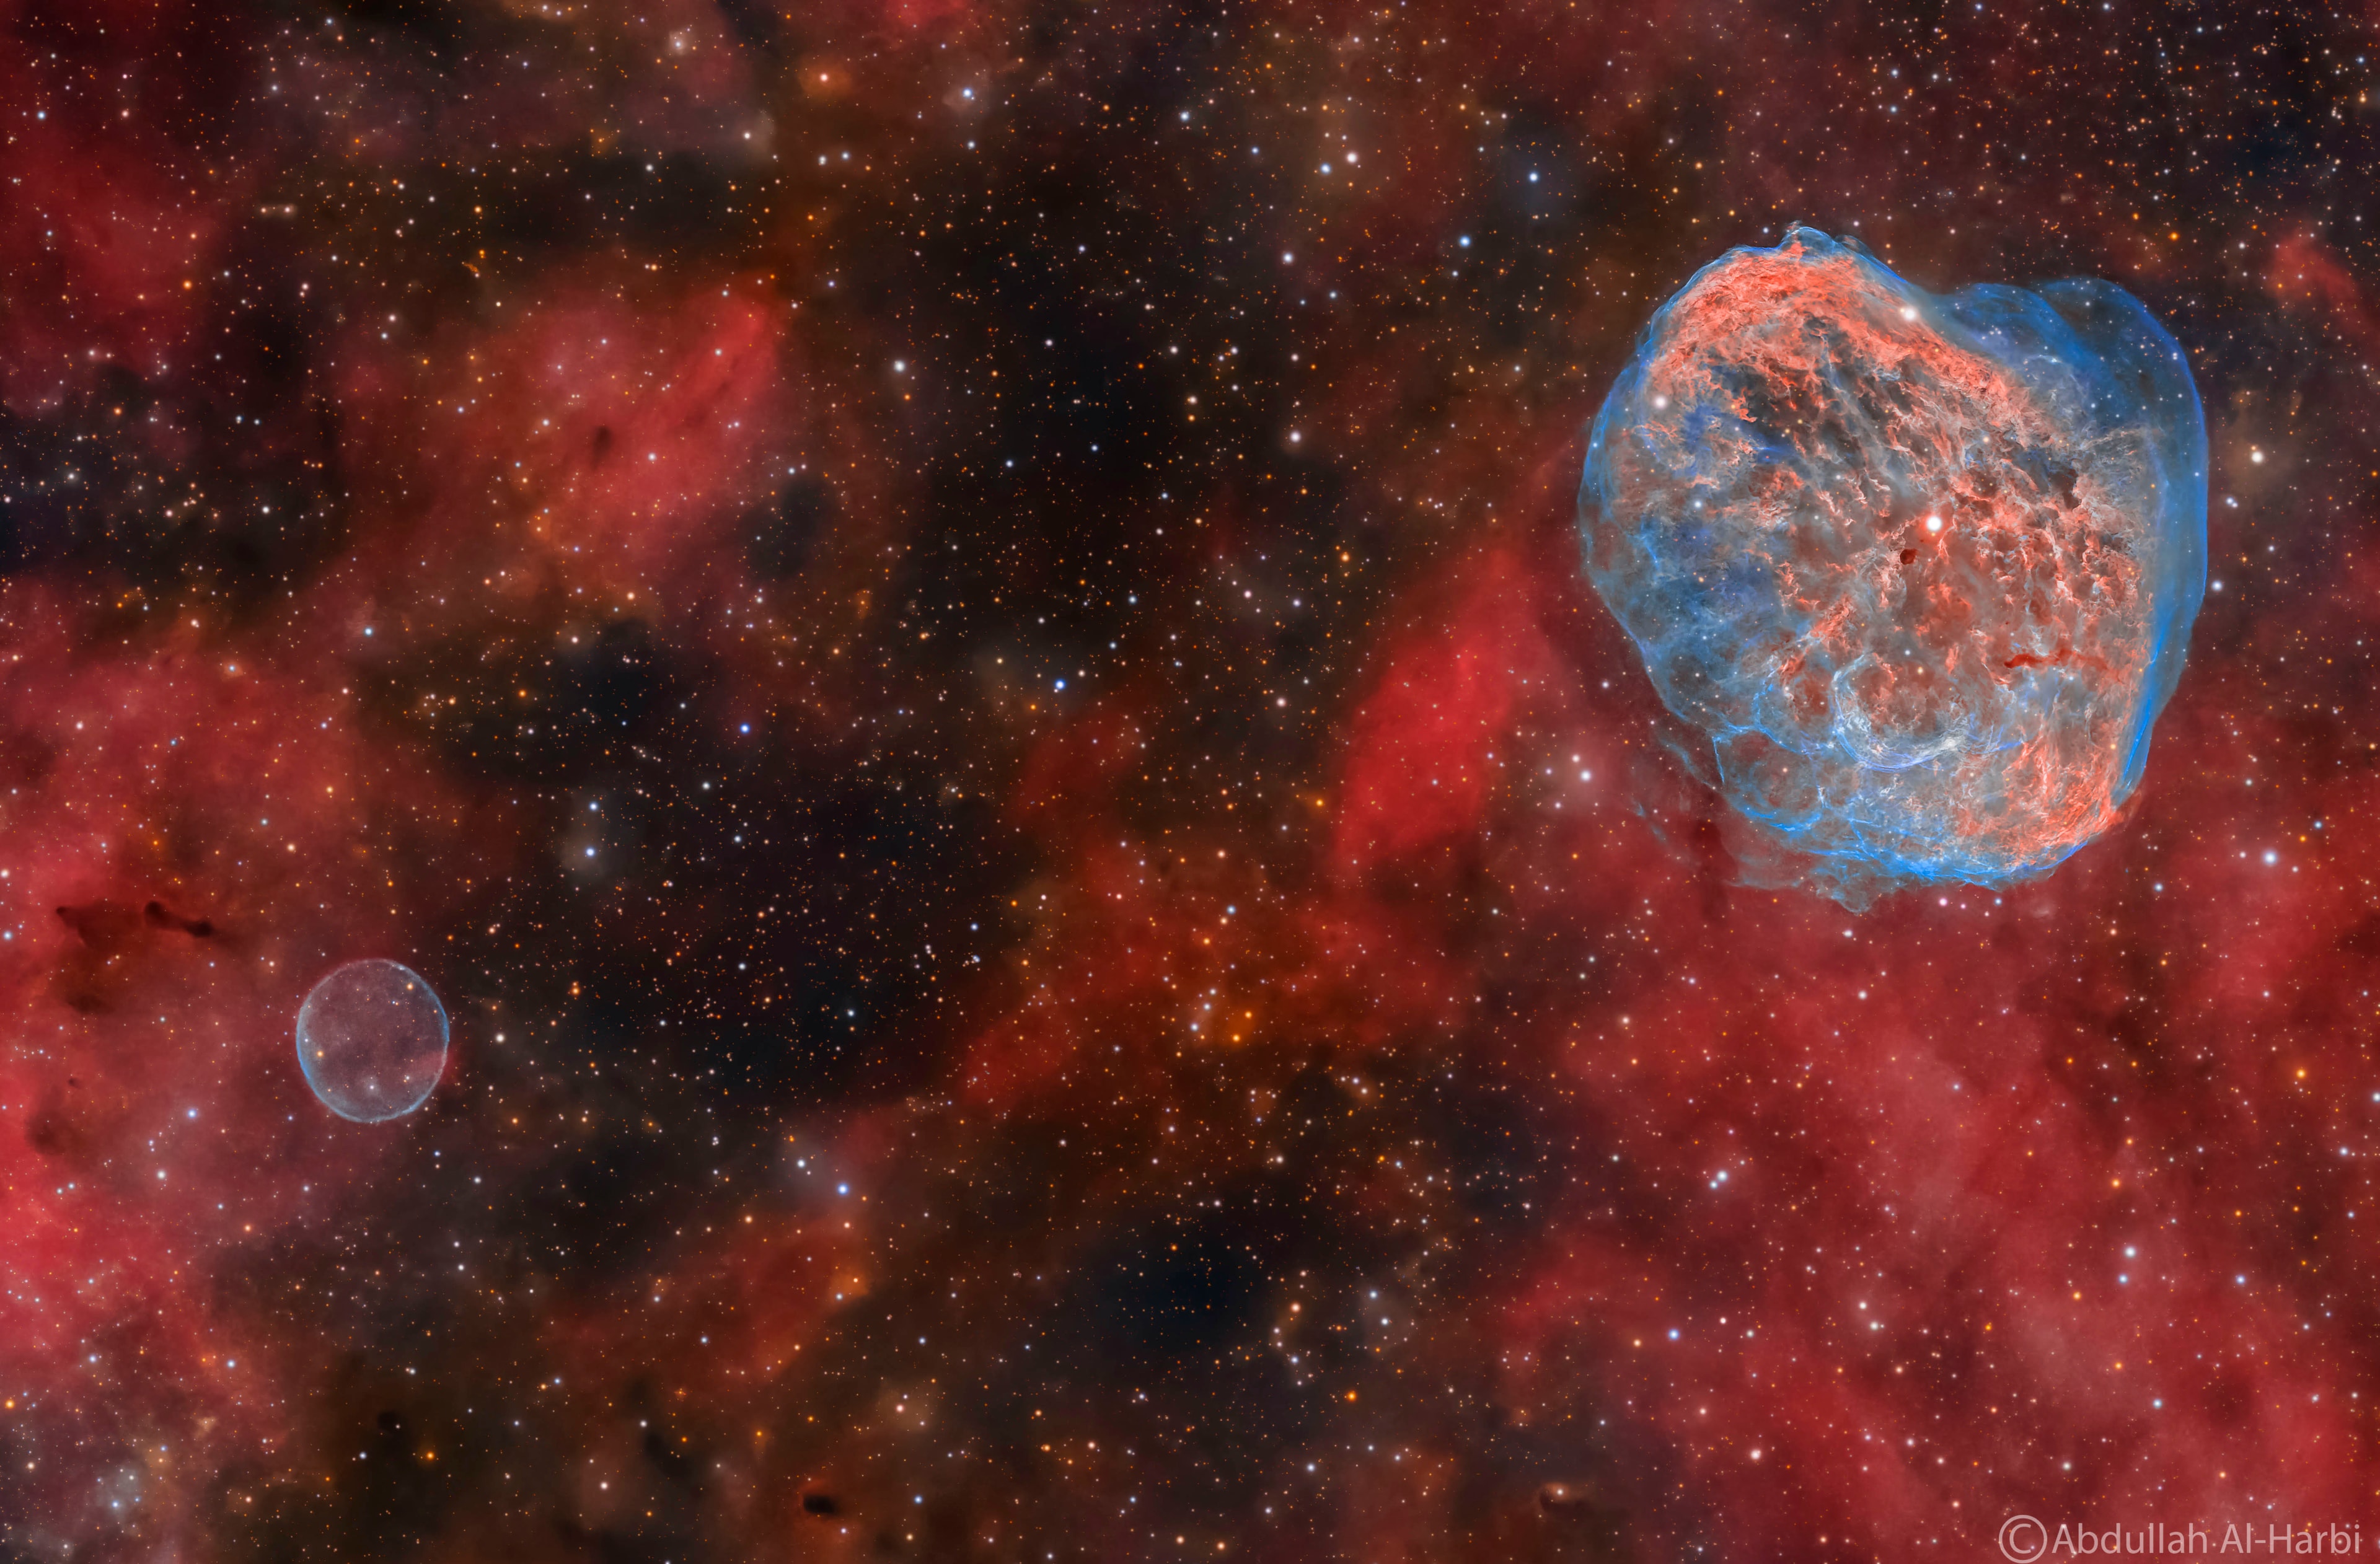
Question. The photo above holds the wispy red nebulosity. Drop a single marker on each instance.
(2306, 273)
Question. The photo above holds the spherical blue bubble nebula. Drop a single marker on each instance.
(371, 1040)
(1918, 571)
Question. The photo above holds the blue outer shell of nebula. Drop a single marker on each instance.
(1922, 570)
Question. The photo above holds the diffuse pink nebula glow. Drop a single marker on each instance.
(1923, 569)
(952, 633)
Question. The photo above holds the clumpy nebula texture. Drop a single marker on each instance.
(1922, 569)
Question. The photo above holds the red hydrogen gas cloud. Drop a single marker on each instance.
(954, 636)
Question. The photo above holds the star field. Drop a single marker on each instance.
(953, 630)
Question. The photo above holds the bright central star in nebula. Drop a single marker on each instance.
(1889, 701)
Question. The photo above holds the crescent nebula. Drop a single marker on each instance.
(1920, 570)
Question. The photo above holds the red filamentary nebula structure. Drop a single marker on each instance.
(1921, 570)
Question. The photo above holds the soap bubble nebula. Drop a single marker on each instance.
(371, 1039)
(1920, 571)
